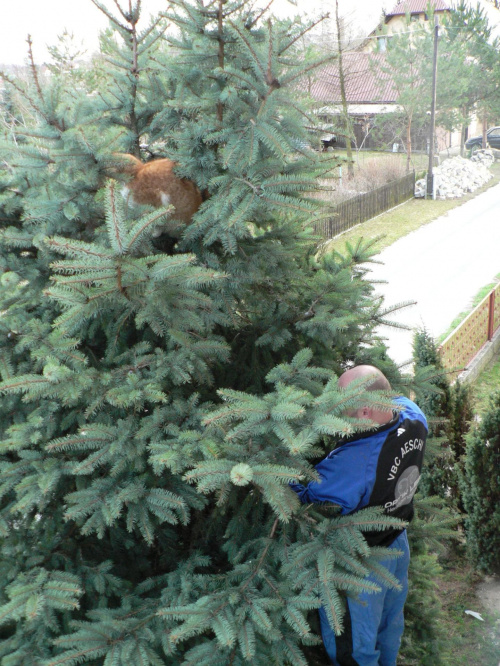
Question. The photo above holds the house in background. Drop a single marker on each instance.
(395, 21)
(366, 96)
(370, 95)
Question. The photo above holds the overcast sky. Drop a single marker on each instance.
(44, 20)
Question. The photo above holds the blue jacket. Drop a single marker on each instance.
(377, 468)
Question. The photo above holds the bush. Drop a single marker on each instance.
(449, 412)
(481, 489)
(425, 641)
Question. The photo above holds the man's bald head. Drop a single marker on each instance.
(379, 383)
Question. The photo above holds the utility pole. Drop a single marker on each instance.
(430, 175)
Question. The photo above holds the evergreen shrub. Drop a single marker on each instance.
(481, 489)
(449, 410)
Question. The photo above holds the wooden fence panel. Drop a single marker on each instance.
(460, 347)
(496, 310)
(362, 207)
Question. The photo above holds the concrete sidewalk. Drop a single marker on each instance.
(442, 266)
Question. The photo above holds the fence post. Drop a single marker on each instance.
(491, 314)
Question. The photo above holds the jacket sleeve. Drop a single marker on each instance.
(342, 480)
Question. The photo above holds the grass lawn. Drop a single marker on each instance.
(487, 383)
(405, 218)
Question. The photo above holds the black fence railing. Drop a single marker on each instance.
(363, 207)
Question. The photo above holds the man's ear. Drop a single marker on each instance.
(365, 412)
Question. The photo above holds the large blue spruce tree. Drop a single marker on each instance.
(163, 383)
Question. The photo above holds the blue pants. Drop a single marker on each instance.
(374, 623)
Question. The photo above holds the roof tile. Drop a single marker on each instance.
(362, 85)
(417, 7)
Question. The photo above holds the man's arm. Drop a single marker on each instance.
(342, 479)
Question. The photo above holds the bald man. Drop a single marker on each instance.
(379, 467)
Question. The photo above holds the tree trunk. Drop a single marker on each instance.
(345, 111)
(220, 55)
(463, 133)
(408, 145)
(485, 127)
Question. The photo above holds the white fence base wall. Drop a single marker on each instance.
(481, 360)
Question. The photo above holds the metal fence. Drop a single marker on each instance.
(460, 347)
(363, 207)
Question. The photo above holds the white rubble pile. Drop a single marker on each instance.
(456, 176)
(484, 156)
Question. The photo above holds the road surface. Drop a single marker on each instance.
(441, 266)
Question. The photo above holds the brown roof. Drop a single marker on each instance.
(362, 85)
(418, 7)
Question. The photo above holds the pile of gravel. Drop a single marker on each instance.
(484, 157)
(456, 176)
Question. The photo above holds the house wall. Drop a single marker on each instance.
(447, 140)
(394, 25)
(476, 126)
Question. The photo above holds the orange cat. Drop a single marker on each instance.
(156, 184)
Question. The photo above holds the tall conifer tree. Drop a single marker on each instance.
(162, 385)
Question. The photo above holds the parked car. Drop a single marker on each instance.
(492, 136)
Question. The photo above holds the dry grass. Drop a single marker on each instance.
(371, 170)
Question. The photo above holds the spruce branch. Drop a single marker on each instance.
(33, 104)
(115, 224)
(233, 9)
(251, 83)
(236, 8)
(262, 557)
(131, 15)
(250, 25)
(74, 248)
(287, 204)
(143, 226)
(255, 188)
(121, 288)
(34, 73)
(271, 80)
(135, 61)
(179, 22)
(250, 48)
(151, 28)
(303, 32)
(110, 16)
(76, 656)
(310, 68)
(220, 54)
